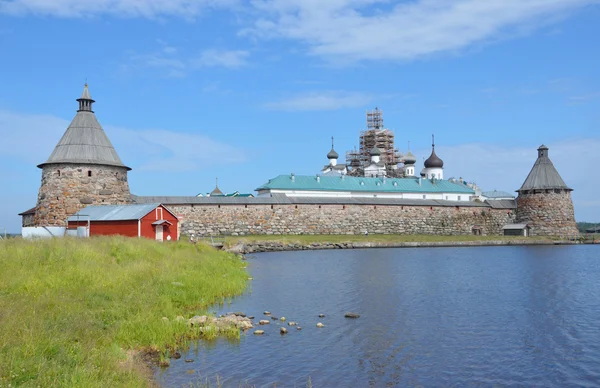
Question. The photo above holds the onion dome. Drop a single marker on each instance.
(332, 154)
(409, 158)
(375, 152)
(433, 161)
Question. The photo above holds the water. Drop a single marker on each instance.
(430, 317)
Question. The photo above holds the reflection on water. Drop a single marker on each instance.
(464, 317)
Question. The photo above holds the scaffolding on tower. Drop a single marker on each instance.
(376, 135)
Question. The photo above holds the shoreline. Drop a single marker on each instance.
(260, 246)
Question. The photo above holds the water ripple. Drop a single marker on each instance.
(463, 317)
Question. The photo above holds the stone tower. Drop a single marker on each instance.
(83, 169)
(544, 200)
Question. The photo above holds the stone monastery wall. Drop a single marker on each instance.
(67, 188)
(549, 213)
(238, 220)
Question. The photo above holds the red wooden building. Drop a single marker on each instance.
(141, 220)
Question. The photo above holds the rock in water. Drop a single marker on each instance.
(321, 315)
(320, 324)
(267, 313)
(264, 322)
(282, 319)
(259, 332)
(283, 330)
(352, 315)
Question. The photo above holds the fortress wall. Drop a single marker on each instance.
(64, 194)
(206, 220)
(548, 213)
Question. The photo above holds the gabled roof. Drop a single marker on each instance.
(114, 212)
(543, 174)
(364, 184)
(84, 141)
(28, 212)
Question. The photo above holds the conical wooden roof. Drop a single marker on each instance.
(84, 141)
(543, 174)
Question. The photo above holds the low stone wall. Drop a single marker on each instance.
(275, 246)
(240, 220)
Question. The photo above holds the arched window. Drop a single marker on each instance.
(89, 172)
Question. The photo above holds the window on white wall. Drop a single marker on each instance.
(459, 197)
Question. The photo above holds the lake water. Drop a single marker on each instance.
(430, 317)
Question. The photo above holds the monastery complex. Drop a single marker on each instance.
(376, 190)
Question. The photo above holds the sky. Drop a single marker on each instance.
(245, 90)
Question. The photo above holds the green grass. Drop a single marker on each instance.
(378, 238)
(72, 312)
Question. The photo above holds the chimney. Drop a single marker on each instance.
(293, 178)
(318, 178)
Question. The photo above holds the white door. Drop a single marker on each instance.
(159, 232)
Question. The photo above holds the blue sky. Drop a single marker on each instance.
(188, 90)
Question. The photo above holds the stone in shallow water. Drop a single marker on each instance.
(267, 313)
(282, 319)
(264, 322)
(320, 324)
(259, 332)
(189, 360)
(352, 315)
(321, 315)
(283, 330)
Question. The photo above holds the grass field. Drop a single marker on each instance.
(73, 312)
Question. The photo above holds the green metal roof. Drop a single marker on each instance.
(364, 184)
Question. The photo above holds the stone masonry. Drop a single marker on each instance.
(239, 220)
(67, 188)
(548, 212)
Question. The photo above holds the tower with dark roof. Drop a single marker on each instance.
(544, 200)
(83, 169)
(434, 166)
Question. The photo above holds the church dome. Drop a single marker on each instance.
(375, 152)
(332, 154)
(409, 158)
(434, 161)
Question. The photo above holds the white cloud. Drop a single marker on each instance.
(325, 100)
(174, 65)
(341, 31)
(357, 30)
(145, 150)
(120, 8)
(221, 58)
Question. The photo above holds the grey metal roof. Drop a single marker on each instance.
(515, 227)
(502, 203)
(114, 212)
(85, 142)
(543, 174)
(282, 199)
(497, 194)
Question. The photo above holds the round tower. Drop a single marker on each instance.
(83, 169)
(544, 200)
